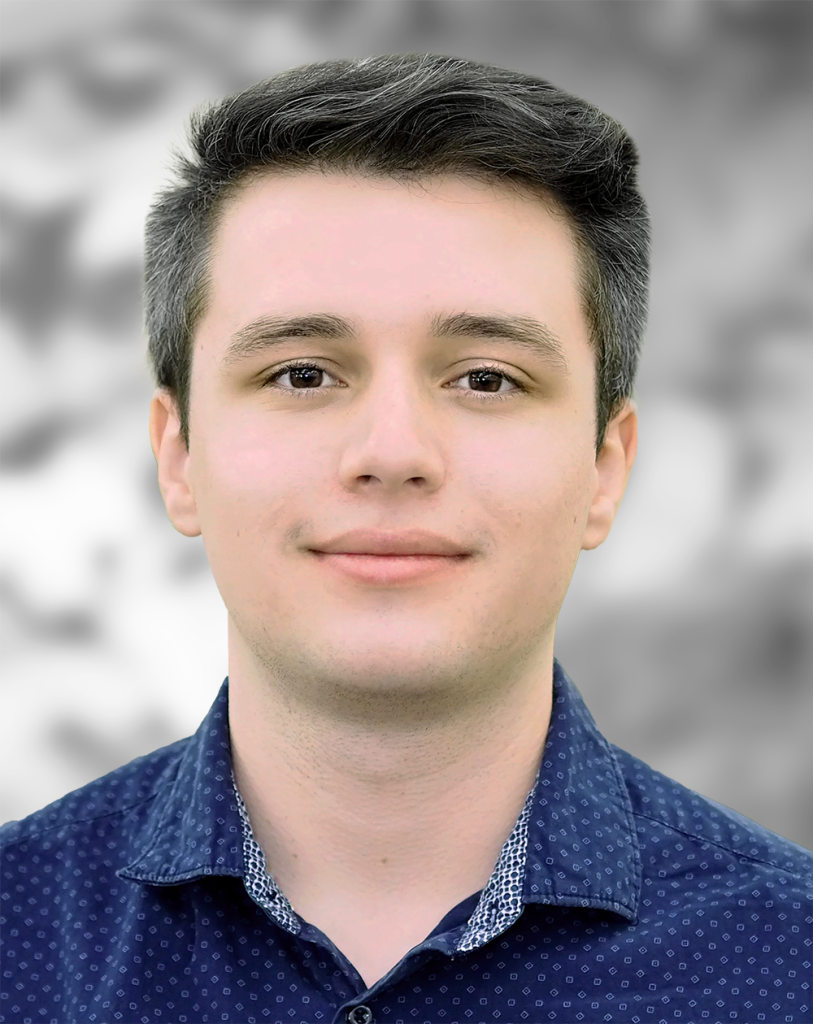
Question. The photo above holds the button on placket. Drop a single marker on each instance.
(360, 1015)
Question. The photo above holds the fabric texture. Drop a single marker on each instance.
(620, 896)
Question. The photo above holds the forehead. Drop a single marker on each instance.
(380, 248)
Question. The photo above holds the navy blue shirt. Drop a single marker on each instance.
(620, 895)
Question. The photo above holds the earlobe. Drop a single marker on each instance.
(613, 465)
(172, 456)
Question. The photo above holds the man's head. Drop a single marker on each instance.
(453, 257)
(409, 118)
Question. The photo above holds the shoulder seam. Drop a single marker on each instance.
(78, 821)
(721, 846)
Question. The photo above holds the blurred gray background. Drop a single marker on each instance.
(689, 632)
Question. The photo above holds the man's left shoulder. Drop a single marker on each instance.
(682, 831)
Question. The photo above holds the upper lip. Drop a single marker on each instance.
(384, 542)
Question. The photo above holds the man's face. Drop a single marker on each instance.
(399, 293)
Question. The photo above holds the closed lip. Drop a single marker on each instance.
(383, 542)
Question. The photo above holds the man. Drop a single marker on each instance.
(394, 308)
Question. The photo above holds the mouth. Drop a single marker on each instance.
(387, 569)
(391, 542)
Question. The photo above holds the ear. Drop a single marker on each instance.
(172, 456)
(613, 464)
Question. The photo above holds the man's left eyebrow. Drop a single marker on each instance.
(518, 330)
(267, 331)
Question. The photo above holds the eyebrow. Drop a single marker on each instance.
(524, 331)
(267, 331)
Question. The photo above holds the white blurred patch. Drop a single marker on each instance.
(676, 506)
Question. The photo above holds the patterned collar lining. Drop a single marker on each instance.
(259, 884)
(499, 906)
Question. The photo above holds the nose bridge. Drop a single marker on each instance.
(392, 436)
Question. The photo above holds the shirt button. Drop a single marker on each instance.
(360, 1015)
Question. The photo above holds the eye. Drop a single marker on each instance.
(303, 378)
(487, 383)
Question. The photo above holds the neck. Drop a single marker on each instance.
(413, 795)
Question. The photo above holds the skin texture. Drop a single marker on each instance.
(399, 727)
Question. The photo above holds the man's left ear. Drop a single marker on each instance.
(613, 464)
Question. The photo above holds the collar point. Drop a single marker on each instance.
(146, 874)
(585, 902)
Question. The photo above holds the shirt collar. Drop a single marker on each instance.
(193, 828)
(574, 845)
(582, 842)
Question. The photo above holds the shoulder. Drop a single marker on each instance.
(122, 792)
(679, 828)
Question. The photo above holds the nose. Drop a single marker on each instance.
(393, 439)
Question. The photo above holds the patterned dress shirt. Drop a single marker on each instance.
(620, 896)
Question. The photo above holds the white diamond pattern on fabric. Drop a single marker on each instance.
(259, 884)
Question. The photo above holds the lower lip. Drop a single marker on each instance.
(390, 568)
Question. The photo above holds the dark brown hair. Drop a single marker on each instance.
(408, 117)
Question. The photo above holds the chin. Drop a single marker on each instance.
(360, 664)
(383, 666)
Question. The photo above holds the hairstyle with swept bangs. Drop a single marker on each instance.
(408, 117)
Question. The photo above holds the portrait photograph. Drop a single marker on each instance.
(407, 475)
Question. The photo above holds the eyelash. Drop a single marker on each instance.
(308, 392)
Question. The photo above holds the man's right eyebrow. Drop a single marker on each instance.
(267, 331)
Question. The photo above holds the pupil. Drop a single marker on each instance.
(299, 372)
(491, 385)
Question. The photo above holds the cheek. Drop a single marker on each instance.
(249, 485)
(536, 494)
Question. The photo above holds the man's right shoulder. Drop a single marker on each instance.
(134, 785)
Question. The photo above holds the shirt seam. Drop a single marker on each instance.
(629, 817)
(78, 821)
(719, 846)
(164, 818)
